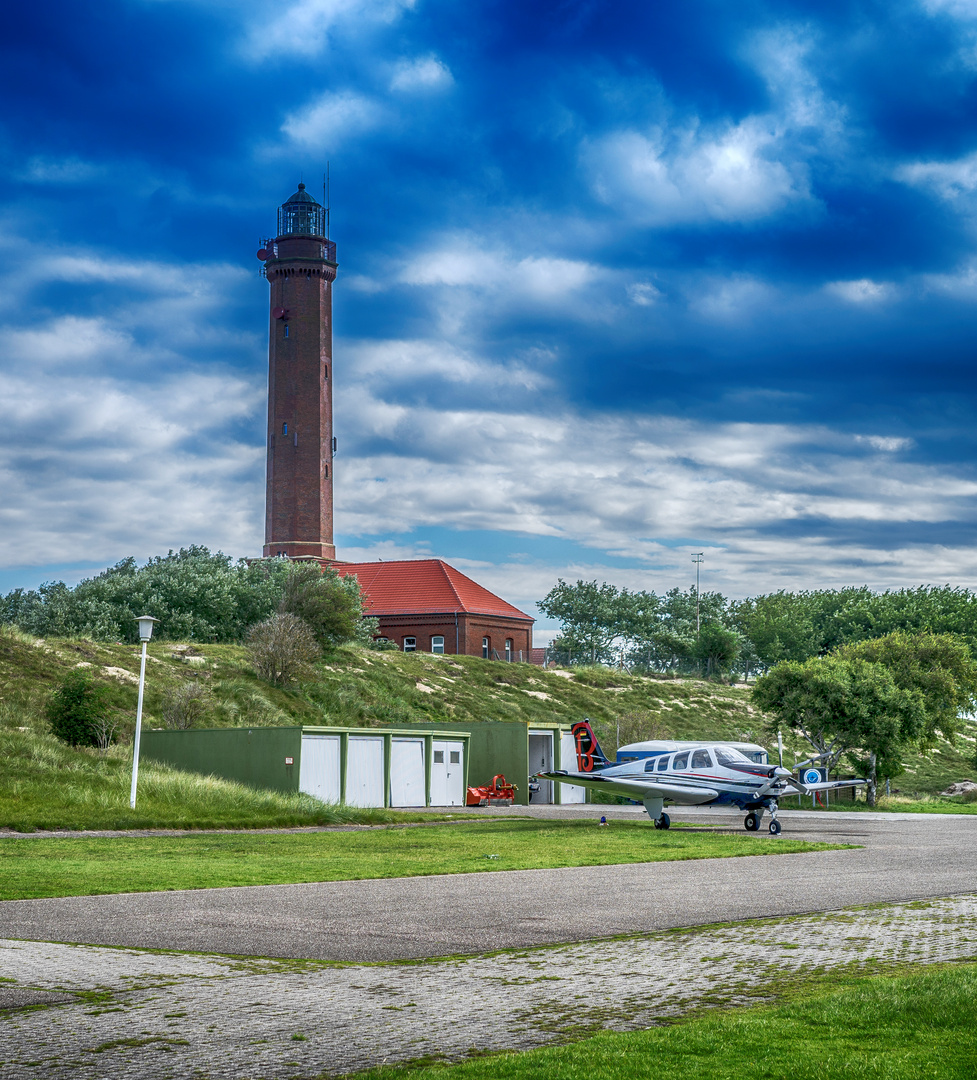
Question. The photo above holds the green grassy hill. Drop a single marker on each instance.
(360, 687)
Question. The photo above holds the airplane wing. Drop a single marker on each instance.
(674, 791)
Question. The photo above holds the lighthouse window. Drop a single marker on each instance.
(325, 470)
(284, 429)
(286, 331)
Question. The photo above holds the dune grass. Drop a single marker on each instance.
(880, 1028)
(87, 866)
(47, 785)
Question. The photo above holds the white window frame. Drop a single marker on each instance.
(410, 644)
(437, 643)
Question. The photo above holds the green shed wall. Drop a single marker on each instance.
(252, 756)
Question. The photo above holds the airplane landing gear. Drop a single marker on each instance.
(752, 822)
(663, 822)
(774, 827)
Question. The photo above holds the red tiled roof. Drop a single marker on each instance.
(413, 586)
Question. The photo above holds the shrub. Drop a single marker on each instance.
(78, 712)
(185, 706)
(283, 649)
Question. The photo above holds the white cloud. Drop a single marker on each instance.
(670, 177)
(464, 262)
(43, 170)
(306, 27)
(888, 444)
(422, 73)
(949, 179)
(331, 118)
(643, 293)
(957, 9)
(862, 291)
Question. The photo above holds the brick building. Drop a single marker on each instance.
(425, 605)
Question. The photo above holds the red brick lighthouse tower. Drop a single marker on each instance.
(300, 264)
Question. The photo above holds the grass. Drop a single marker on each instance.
(47, 785)
(882, 1028)
(88, 866)
(360, 687)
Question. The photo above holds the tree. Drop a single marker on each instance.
(840, 705)
(79, 713)
(938, 666)
(283, 649)
(717, 649)
(331, 605)
(589, 616)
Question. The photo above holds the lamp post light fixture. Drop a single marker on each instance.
(145, 633)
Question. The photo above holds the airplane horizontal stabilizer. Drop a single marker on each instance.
(829, 785)
(674, 791)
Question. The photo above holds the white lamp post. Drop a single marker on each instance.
(145, 633)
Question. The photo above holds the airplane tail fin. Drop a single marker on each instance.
(590, 757)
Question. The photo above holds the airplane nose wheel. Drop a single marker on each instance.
(775, 827)
(752, 823)
(663, 822)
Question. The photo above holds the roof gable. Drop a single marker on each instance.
(415, 586)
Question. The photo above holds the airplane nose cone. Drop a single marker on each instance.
(781, 771)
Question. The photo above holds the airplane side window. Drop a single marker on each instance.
(663, 763)
(681, 760)
(650, 765)
(701, 760)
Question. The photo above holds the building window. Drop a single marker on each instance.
(284, 429)
(455, 757)
(438, 757)
(286, 331)
(485, 648)
(410, 644)
(437, 644)
(325, 470)
(508, 650)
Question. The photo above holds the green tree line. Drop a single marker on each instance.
(197, 595)
(601, 623)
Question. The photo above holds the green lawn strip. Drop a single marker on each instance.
(86, 866)
(879, 1028)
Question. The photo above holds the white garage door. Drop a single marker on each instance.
(364, 771)
(319, 767)
(570, 793)
(407, 782)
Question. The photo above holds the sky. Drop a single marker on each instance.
(619, 282)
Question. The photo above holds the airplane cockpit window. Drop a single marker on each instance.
(701, 760)
(681, 760)
(729, 757)
(663, 763)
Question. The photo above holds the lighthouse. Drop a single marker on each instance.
(300, 264)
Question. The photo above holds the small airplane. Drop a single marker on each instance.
(691, 774)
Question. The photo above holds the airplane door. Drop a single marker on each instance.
(541, 760)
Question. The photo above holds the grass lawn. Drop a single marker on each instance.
(881, 1028)
(85, 866)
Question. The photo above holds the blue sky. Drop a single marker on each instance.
(618, 282)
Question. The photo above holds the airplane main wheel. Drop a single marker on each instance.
(775, 828)
(663, 822)
(752, 823)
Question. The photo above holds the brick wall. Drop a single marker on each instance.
(299, 504)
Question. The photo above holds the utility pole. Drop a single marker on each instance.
(697, 559)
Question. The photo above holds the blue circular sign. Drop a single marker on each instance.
(812, 776)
